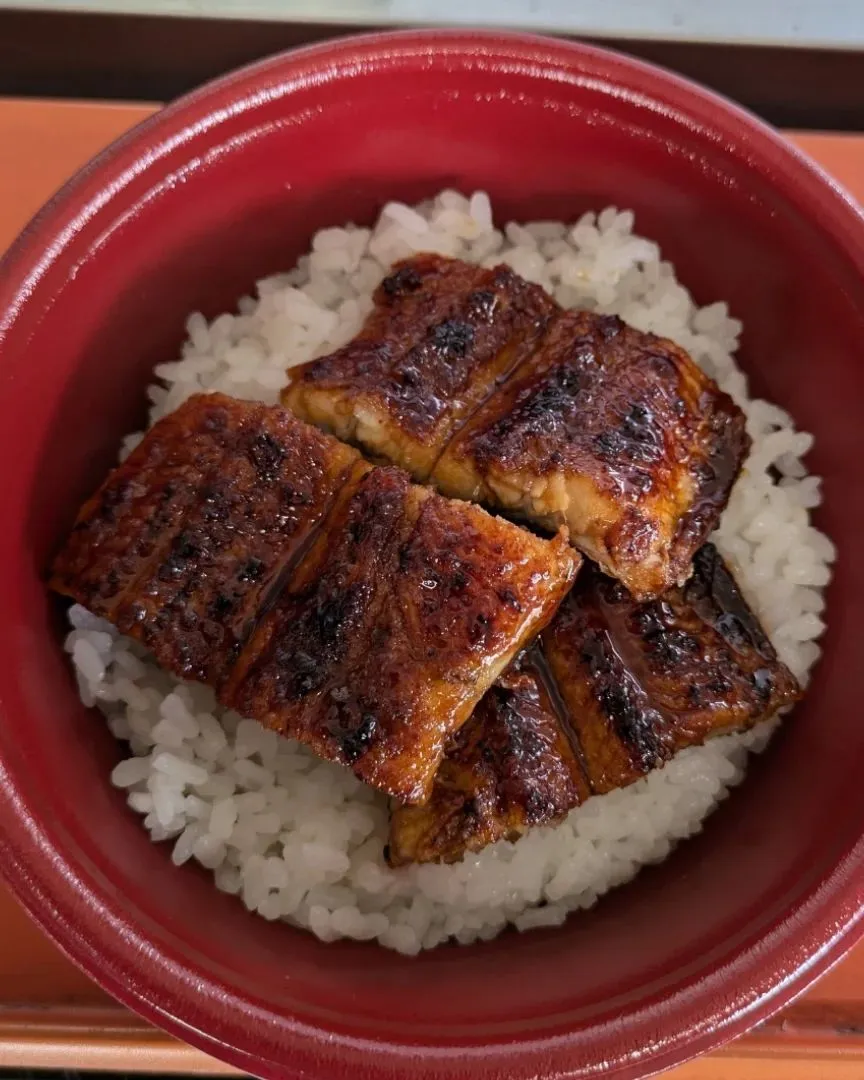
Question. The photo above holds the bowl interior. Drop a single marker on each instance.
(186, 215)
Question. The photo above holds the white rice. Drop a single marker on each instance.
(299, 839)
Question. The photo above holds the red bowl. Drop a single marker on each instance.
(184, 213)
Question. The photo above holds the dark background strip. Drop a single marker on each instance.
(132, 57)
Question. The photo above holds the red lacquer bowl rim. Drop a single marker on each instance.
(94, 930)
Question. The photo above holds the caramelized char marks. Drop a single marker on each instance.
(247, 485)
(621, 734)
(561, 405)
(405, 610)
(713, 472)
(614, 690)
(713, 596)
(441, 333)
(338, 603)
(509, 768)
(196, 605)
(617, 433)
(296, 673)
(477, 586)
(643, 681)
(134, 516)
(702, 654)
(476, 379)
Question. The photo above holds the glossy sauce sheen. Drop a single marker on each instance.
(398, 612)
(613, 690)
(616, 432)
(643, 681)
(195, 607)
(478, 381)
(510, 767)
(336, 602)
(440, 335)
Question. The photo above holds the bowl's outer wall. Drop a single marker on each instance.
(185, 214)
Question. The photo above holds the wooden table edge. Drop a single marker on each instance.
(106, 1039)
(111, 1039)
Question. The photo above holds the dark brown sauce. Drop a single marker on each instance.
(285, 571)
(713, 478)
(535, 657)
(713, 593)
(641, 728)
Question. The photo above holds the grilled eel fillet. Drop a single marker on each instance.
(612, 689)
(440, 335)
(335, 602)
(476, 380)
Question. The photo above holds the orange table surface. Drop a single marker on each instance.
(51, 1015)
